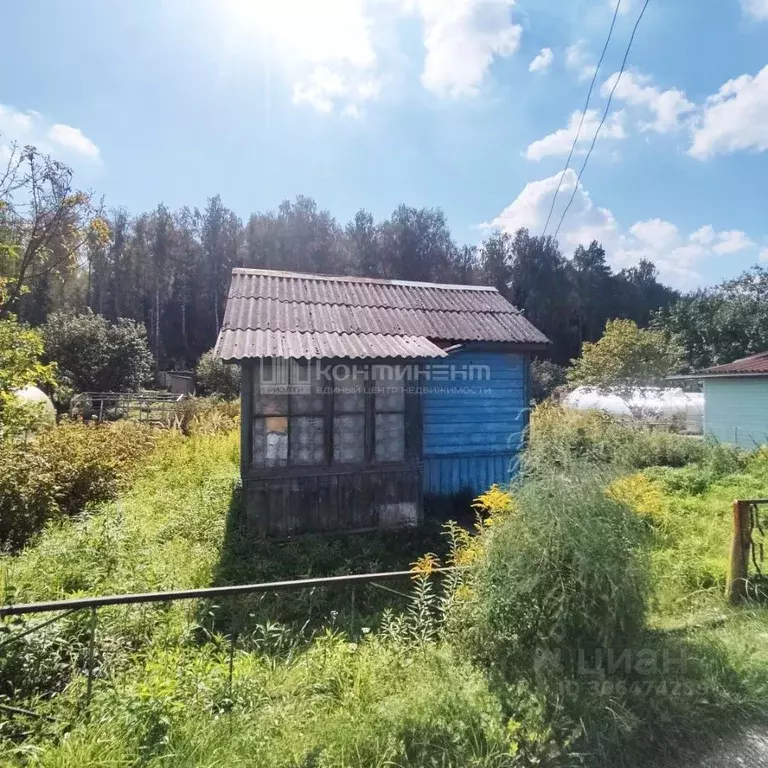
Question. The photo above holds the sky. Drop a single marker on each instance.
(467, 105)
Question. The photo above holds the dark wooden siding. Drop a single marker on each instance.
(366, 494)
(342, 501)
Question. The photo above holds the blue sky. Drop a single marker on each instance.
(370, 103)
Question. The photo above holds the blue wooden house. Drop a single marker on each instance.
(361, 397)
(736, 401)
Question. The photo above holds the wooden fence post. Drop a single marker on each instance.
(736, 586)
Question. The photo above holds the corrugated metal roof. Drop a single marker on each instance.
(314, 312)
(754, 364)
(243, 344)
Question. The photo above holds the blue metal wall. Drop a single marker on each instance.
(473, 431)
(736, 411)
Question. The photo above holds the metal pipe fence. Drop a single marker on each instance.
(65, 608)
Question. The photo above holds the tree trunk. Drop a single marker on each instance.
(157, 331)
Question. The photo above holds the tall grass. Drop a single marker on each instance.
(501, 668)
(559, 436)
(565, 572)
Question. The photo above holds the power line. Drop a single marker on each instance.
(605, 116)
(583, 114)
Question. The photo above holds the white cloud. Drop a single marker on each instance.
(324, 89)
(561, 141)
(764, 254)
(320, 89)
(532, 205)
(579, 60)
(757, 9)
(678, 256)
(301, 30)
(668, 107)
(69, 138)
(353, 111)
(704, 236)
(657, 233)
(461, 38)
(328, 47)
(542, 61)
(731, 241)
(62, 141)
(735, 118)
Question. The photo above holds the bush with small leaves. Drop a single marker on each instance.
(215, 377)
(62, 470)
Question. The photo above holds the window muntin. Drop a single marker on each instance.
(301, 419)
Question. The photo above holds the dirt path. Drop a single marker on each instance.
(748, 749)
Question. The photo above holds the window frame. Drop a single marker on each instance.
(411, 426)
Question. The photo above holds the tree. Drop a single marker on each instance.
(221, 239)
(363, 243)
(94, 355)
(496, 257)
(639, 294)
(44, 222)
(416, 244)
(592, 278)
(540, 286)
(721, 324)
(625, 358)
(21, 350)
(546, 377)
(214, 377)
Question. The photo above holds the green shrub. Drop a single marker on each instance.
(562, 572)
(561, 436)
(214, 377)
(94, 355)
(546, 376)
(205, 415)
(62, 470)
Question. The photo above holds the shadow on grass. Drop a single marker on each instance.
(679, 700)
(246, 558)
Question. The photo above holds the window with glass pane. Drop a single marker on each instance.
(307, 441)
(389, 427)
(306, 389)
(270, 441)
(349, 414)
(349, 383)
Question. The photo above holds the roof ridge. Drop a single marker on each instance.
(355, 279)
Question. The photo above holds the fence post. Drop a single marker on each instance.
(736, 586)
(91, 643)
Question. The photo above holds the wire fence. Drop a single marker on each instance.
(155, 408)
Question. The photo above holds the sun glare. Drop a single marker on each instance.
(308, 30)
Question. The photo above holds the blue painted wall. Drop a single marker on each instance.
(473, 437)
(736, 411)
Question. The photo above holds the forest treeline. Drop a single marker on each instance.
(169, 269)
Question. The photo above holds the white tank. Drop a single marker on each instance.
(666, 406)
(34, 395)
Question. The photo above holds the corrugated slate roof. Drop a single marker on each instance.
(242, 344)
(298, 315)
(752, 365)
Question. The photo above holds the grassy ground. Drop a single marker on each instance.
(317, 681)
